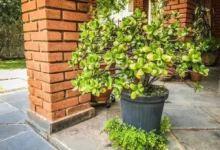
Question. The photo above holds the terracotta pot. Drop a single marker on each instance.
(195, 76)
(171, 73)
(210, 58)
(104, 96)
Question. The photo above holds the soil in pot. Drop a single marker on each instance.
(210, 59)
(143, 112)
(195, 76)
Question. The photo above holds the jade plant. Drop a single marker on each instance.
(138, 52)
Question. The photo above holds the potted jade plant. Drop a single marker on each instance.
(140, 53)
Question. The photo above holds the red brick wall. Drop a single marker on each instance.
(51, 30)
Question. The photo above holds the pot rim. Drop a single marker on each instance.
(146, 99)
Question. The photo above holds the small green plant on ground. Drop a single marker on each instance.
(12, 64)
(1, 88)
(128, 137)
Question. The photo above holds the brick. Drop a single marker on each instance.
(173, 2)
(57, 4)
(46, 36)
(28, 55)
(33, 65)
(60, 105)
(67, 56)
(58, 46)
(35, 83)
(47, 57)
(83, 7)
(71, 75)
(36, 101)
(43, 112)
(49, 115)
(71, 36)
(183, 1)
(71, 93)
(32, 107)
(57, 25)
(84, 98)
(77, 109)
(56, 87)
(32, 26)
(55, 67)
(58, 114)
(45, 14)
(50, 78)
(25, 17)
(31, 5)
(54, 97)
(31, 46)
(75, 16)
(30, 73)
(166, 8)
(23, 1)
(179, 6)
(27, 36)
(51, 98)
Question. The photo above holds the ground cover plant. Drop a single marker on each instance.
(127, 137)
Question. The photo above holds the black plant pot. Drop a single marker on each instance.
(143, 112)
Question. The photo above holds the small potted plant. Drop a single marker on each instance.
(140, 53)
(210, 50)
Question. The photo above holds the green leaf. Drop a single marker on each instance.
(133, 95)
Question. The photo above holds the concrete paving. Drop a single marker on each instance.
(195, 119)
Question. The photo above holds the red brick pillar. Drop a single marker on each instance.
(141, 4)
(186, 9)
(51, 31)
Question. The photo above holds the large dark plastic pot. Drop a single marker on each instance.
(143, 112)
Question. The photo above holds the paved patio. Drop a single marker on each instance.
(14, 133)
(195, 119)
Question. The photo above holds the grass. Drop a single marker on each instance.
(12, 64)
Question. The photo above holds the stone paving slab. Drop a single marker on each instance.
(6, 108)
(14, 134)
(184, 96)
(8, 131)
(14, 96)
(13, 117)
(16, 73)
(13, 84)
(190, 118)
(214, 112)
(199, 140)
(26, 141)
